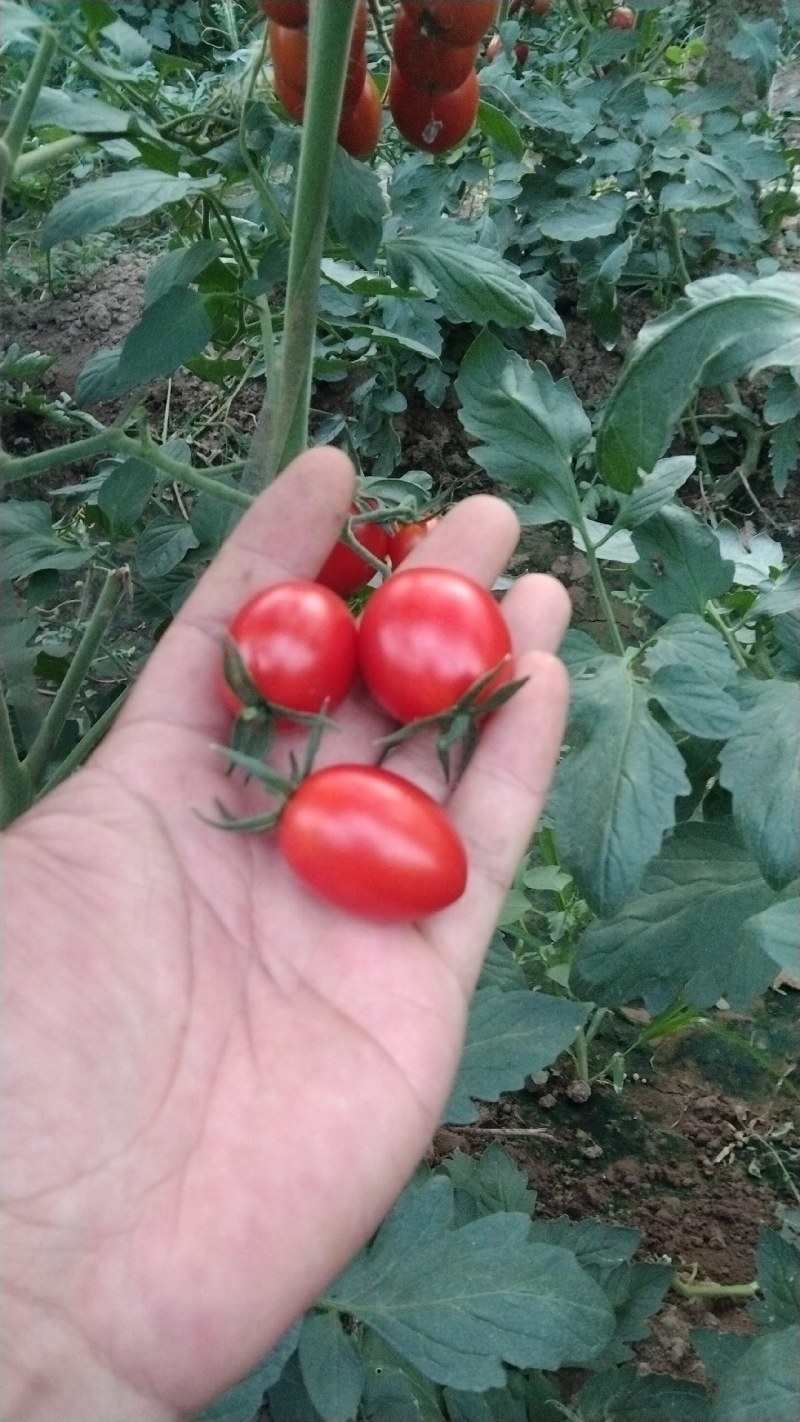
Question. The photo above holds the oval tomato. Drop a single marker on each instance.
(405, 537)
(343, 571)
(425, 636)
(289, 50)
(622, 18)
(372, 843)
(425, 61)
(454, 21)
(298, 644)
(360, 129)
(293, 100)
(431, 121)
(292, 13)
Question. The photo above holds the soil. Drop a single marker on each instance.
(697, 1150)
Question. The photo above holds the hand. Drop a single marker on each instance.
(216, 1085)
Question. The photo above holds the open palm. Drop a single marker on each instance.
(216, 1084)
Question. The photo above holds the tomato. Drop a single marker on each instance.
(360, 130)
(453, 21)
(293, 100)
(405, 537)
(540, 7)
(425, 636)
(426, 61)
(623, 18)
(298, 644)
(293, 13)
(343, 571)
(289, 50)
(372, 843)
(433, 122)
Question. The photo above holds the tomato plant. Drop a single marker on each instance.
(297, 644)
(456, 22)
(360, 129)
(293, 13)
(431, 121)
(426, 61)
(405, 537)
(372, 843)
(425, 636)
(343, 571)
(289, 49)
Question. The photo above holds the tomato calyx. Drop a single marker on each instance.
(282, 786)
(458, 726)
(254, 726)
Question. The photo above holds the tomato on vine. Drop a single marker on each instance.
(622, 18)
(343, 571)
(426, 61)
(296, 644)
(360, 129)
(289, 50)
(406, 536)
(372, 843)
(456, 22)
(431, 121)
(293, 13)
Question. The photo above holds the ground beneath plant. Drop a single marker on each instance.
(700, 1146)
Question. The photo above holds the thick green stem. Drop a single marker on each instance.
(674, 244)
(690, 1290)
(722, 627)
(48, 153)
(86, 744)
(15, 795)
(38, 757)
(14, 136)
(597, 577)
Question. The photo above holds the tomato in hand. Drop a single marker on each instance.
(372, 843)
(432, 121)
(453, 21)
(343, 571)
(425, 636)
(297, 643)
(427, 62)
(405, 537)
(360, 129)
(622, 18)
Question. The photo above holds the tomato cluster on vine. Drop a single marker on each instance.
(432, 650)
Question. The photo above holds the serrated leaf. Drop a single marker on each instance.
(778, 1273)
(760, 765)
(393, 1390)
(688, 640)
(681, 562)
(509, 1035)
(776, 932)
(124, 493)
(655, 490)
(106, 202)
(754, 559)
(356, 207)
(77, 112)
(757, 43)
(30, 543)
(470, 282)
(784, 455)
(240, 1403)
(501, 969)
(636, 1292)
(599, 1248)
(287, 1400)
(100, 378)
(491, 1182)
(682, 934)
(530, 426)
(615, 791)
(457, 1303)
(624, 1396)
(494, 1405)
(721, 330)
(162, 546)
(764, 1382)
(171, 329)
(330, 1365)
(580, 219)
(695, 702)
(499, 128)
(179, 268)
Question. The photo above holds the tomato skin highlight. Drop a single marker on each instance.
(372, 843)
(455, 22)
(432, 121)
(425, 636)
(298, 643)
(427, 62)
(405, 537)
(343, 571)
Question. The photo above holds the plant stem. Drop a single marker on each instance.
(580, 1051)
(36, 761)
(731, 642)
(14, 136)
(674, 244)
(15, 795)
(48, 153)
(86, 744)
(597, 577)
(689, 1290)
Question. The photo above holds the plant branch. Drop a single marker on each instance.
(86, 744)
(15, 795)
(14, 136)
(689, 1290)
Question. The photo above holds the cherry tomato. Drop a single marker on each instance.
(289, 50)
(430, 121)
(292, 13)
(343, 571)
(453, 21)
(622, 18)
(298, 644)
(427, 62)
(360, 129)
(372, 843)
(405, 537)
(425, 636)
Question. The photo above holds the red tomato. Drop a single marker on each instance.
(623, 18)
(454, 21)
(539, 7)
(289, 50)
(293, 100)
(293, 13)
(495, 47)
(343, 571)
(372, 843)
(427, 62)
(360, 130)
(405, 537)
(298, 644)
(425, 636)
(433, 122)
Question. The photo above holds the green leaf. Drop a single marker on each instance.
(488, 1183)
(287, 1399)
(240, 1403)
(687, 640)
(760, 765)
(494, 1405)
(695, 702)
(331, 1366)
(30, 543)
(179, 268)
(509, 1035)
(105, 203)
(725, 327)
(682, 936)
(356, 207)
(656, 489)
(79, 113)
(778, 1273)
(764, 1383)
(599, 1248)
(133, 50)
(579, 219)
(457, 1303)
(393, 1390)
(680, 561)
(500, 129)
(624, 1396)
(530, 426)
(501, 969)
(615, 791)
(757, 43)
(16, 21)
(162, 547)
(172, 328)
(100, 378)
(776, 932)
(470, 282)
(636, 1292)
